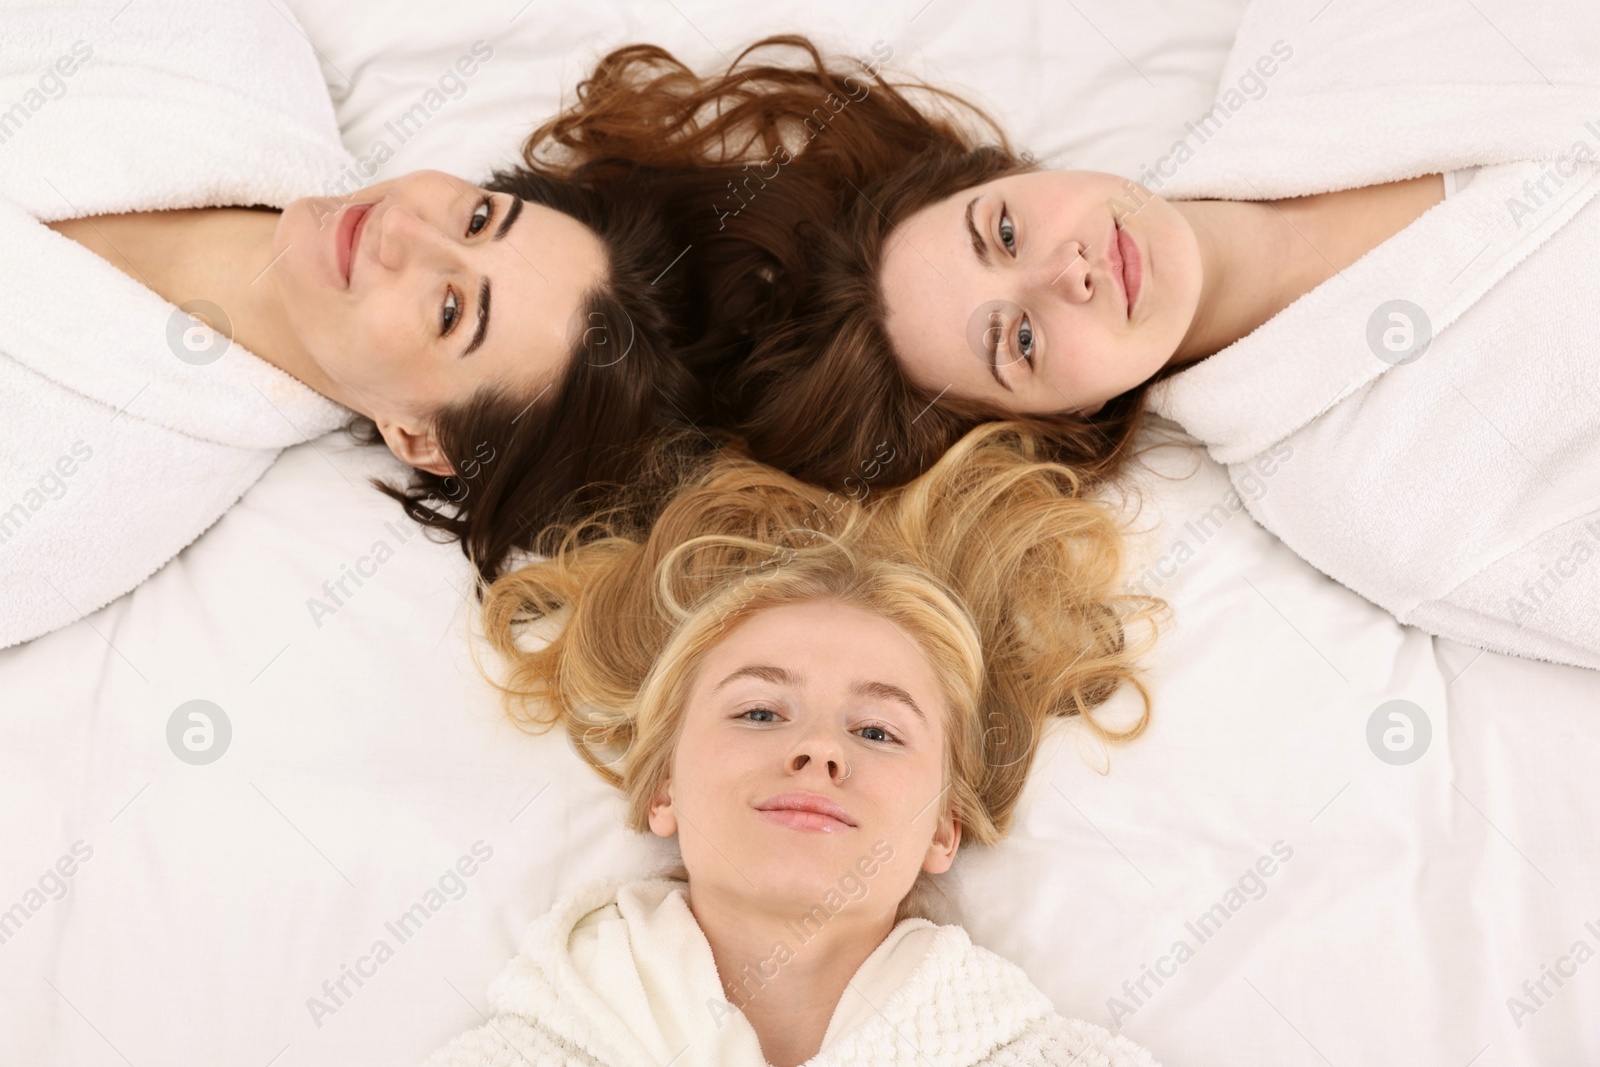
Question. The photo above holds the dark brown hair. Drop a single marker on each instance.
(657, 161)
(525, 463)
(744, 214)
(810, 165)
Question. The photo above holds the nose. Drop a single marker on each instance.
(823, 753)
(403, 238)
(1066, 273)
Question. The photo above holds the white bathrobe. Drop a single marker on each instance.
(115, 453)
(620, 974)
(1458, 488)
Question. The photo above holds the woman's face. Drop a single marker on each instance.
(1032, 262)
(447, 288)
(824, 701)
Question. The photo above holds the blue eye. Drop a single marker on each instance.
(1008, 232)
(758, 711)
(1025, 339)
(887, 737)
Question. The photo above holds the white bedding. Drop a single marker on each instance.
(367, 758)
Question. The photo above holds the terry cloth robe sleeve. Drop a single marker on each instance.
(121, 439)
(622, 976)
(1424, 427)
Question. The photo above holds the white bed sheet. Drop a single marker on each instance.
(368, 757)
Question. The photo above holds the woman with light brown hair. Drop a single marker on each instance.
(821, 701)
(1398, 339)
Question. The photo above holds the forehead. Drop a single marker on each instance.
(539, 276)
(829, 645)
(933, 283)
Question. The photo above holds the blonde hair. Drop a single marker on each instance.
(992, 561)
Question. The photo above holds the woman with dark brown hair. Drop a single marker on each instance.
(181, 307)
(517, 343)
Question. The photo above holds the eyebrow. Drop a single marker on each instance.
(992, 358)
(779, 676)
(512, 211)
(980, 248)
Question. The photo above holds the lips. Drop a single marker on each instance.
(805, 811)
(347, 237)
(1132, 268)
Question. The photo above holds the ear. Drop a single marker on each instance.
(415, 446)
(663, 820)
(942, 849)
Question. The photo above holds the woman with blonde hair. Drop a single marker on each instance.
(809, 696)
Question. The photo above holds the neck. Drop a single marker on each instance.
(790, 1010)
(1257, 258)
(225, 256)
(1254, 263)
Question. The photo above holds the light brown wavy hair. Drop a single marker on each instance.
(1005, 574)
